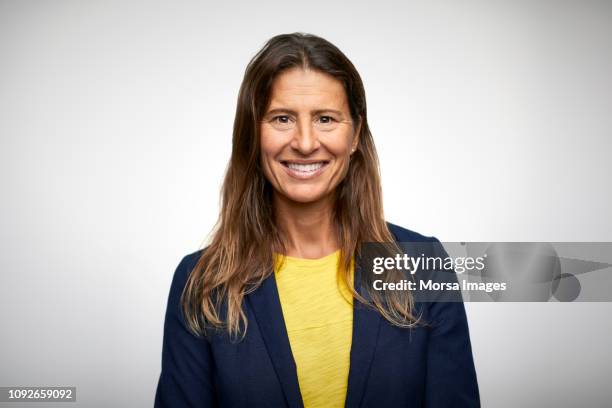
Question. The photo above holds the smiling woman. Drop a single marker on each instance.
(275, 311)
(307, 136)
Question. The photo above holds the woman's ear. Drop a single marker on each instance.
(356, 135)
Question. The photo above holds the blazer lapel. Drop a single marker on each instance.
(366, 325)
(266, 306)
(265, 303)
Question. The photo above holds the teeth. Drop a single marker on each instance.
(305, 168)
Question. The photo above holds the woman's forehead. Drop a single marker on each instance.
(298, 88)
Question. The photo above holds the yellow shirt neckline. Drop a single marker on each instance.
(305, 262)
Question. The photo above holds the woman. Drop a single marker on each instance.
(275, 312)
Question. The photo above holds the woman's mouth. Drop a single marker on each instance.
(304, 171)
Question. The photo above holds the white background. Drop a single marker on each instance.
(492, 121)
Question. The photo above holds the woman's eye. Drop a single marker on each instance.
(326, 119)
(284, 119)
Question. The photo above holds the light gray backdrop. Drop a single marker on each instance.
(492, 120)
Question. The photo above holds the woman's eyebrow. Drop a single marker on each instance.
(334, 111)
(314, 112)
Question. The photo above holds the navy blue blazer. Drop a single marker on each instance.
(427, 366)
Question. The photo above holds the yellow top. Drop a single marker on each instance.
(318, 314)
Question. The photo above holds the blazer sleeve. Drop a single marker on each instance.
(187, 364)
(451, 375)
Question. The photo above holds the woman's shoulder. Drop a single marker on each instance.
(191, 259)
(402, 234)
(413, 242)
(183, 270)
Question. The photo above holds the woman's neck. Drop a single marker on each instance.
(306, 228)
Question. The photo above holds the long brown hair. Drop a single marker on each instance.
(240, 255)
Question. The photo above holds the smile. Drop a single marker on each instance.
(304, 171)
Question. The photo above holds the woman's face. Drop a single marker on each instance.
(307, 135)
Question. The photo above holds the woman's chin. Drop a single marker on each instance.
(307, 196)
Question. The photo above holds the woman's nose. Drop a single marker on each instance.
(305, 137)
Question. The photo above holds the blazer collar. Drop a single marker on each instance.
(366, 325)
(266, 306)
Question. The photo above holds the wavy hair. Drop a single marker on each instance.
(243, 242)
